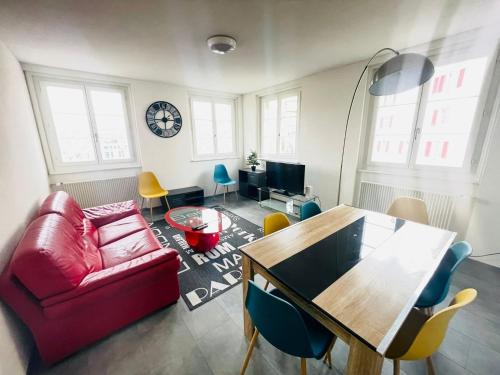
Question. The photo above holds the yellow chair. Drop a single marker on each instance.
(273, 223)
(420, 336)
(150, 188)
(408, 208)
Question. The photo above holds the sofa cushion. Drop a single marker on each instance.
(118, 229)
(49, 258)
(102, 215)
(61, 203)
(129, 247)
(90, 232)
(117, 273)
(92, 255)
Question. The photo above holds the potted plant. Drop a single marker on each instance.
(252, 160)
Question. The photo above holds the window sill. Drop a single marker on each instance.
(92, 168)
(93, 175)
(436, 175)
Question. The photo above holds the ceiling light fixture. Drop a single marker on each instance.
(221, 44)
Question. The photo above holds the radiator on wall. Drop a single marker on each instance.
(378, 197)
(96, 193)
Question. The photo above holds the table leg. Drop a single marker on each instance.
(248, 274)
(362, 359)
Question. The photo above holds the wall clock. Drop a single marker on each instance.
(163, 119)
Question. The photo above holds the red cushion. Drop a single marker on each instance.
(92, 255)
(102, 215)
(115, 274)
(90, 232)
(129, 247)
(118, 229)
(49, 258)
(61, 203)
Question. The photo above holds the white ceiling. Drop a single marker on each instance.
(278, 40)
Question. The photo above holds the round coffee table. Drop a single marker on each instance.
(201, 225)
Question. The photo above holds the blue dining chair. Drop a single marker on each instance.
(308, 210)
(438, 286)
(221, 177)
(285, 326)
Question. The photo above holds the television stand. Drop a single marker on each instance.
(250, 181)
(283, 192)
(288, 204)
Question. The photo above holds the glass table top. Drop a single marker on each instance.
(188, 218)
(327, 260)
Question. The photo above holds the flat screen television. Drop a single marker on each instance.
(287, 177)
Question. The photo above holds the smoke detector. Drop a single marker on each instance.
(221, 44)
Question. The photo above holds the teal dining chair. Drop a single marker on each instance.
(308, 210)
(437, 288)
(221, 177)
(286, 327)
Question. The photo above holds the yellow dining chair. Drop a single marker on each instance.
(420, 336)
(273, 223)
(150, 188)
(409, 208)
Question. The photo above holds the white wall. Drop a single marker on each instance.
(325, 99)
(23, 183)
(484, 229)
(169, 158)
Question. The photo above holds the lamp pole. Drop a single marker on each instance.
(349, 114)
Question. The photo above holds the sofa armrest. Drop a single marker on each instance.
(114, 274)
(102, 215)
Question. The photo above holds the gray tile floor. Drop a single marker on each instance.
(209, 340)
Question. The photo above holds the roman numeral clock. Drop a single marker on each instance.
(163, 119)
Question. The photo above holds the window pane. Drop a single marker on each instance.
(203, 125)
(71, 123)
(449, 113)
(269, 124)
(224, 122)
(112, 132)
(393, 128)
(288, 124)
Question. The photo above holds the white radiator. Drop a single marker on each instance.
(378, 197)
(96, 193)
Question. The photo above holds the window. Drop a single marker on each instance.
(86, 125)
(279, 118)
(432, 125)
(214, 127)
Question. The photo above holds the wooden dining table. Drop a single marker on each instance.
(357, 272)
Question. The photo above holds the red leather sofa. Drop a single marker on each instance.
(78, 275)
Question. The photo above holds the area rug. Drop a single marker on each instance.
(203, 277)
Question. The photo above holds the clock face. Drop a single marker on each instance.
(163, 119)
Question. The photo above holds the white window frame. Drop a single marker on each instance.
(278, 156)
(214, 100)
(50, 145)
(470, 163)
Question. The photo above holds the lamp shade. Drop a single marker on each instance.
(402, 72)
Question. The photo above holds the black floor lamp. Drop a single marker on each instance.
(402, 72)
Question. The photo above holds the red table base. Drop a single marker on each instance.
(202, 242)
